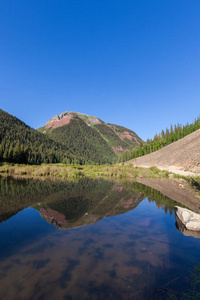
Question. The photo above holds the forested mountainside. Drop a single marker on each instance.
(89, 137)
(75, 139)
(161, 140)
(21, 144)
(84, 141)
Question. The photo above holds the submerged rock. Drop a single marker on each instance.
(190, 219)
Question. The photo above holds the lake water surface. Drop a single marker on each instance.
(91, 239)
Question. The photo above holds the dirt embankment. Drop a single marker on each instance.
(177, 189)
(179, 157)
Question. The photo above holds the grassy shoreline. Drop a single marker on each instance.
(76, 171)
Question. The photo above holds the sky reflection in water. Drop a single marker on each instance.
(135, 255)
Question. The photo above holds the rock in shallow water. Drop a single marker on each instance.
(190, 219)
(181, 227)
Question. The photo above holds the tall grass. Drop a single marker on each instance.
(75, 171)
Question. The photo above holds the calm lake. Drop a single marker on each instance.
(91, 239)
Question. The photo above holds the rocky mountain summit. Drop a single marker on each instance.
(65, 117)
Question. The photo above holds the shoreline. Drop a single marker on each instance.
(174, 170)
(183, 189)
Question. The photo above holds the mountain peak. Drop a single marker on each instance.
(65, 117)
(90, 137)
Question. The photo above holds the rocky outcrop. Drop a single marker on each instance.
(190, 219)
(57, 117)
(60, 120)
(57, 123)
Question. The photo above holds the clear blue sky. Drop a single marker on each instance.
(134, 63)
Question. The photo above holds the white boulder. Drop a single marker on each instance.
(190, 219)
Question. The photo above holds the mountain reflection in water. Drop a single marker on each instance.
(132, 251)
(67, 204)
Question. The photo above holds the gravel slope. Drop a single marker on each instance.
(179, 157)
